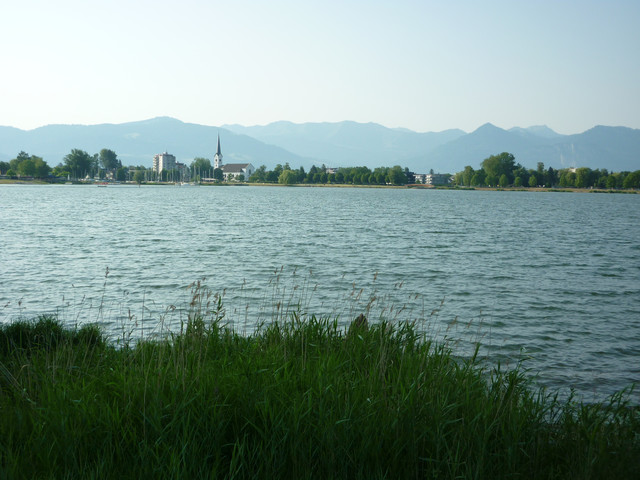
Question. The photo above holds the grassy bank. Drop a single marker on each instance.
(298, 399)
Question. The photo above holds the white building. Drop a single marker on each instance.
(232, 171)
(217, 159)
(163, 161)
(433, 178)
(437, 179)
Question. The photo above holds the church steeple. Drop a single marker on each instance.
(217, 159)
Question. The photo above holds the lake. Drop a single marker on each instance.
(551, 278)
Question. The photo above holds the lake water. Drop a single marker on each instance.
(550, 277)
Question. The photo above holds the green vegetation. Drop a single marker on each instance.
(286, 175)
(201, 168)
(502, 170)
(496, 171)
(300, 398)
(78, 164)
(25, 165)
(138, 176)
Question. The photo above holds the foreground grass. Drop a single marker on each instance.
(298, 399)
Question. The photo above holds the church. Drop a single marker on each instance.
(232, 171)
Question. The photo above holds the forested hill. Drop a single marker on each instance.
(333, 144)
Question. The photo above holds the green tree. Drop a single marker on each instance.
(567, 178)
(201, 166)
(260, 175)
(274, 175)
(491, 180)
(397, 176)
(620, 176)
(288, 177)
(632, 180)
(481, 177)
(411, 177)
(302, 176)
(108, 159)
(218, 174)
(583, 177)
(4, 166)
(79, 163)
(311, 175)
(30, 166)
(380, 175)
(519, 171)
(600, 178)
(26, 168)
(467, 175)
(42, 170)
(21, 156)
(504, 180)
(517, 182)
(121, 174)
(347, 175)
(533, 181)
(498, 165)
(60, 171)
(138, 176)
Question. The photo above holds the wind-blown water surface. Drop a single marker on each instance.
(550, 276)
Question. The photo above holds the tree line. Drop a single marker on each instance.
(77, 165)
(285, 175)
(503, 171)
(81, 165)
(495, 171)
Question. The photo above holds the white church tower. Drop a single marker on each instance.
(217, 159)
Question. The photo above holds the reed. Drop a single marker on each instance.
(300, 397)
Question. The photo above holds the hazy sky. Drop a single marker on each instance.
(423, 65)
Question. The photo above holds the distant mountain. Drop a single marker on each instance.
(474, 147)
(348, 143)
(613, 148)
(334, 144)
(137, 142)
(536, 131)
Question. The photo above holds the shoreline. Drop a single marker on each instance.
(330, 185)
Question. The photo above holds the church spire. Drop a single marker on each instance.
(217, 159)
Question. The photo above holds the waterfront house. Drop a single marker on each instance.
(433, 178)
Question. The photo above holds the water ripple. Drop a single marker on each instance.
(551, 278)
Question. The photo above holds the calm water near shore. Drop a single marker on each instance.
(550, 277)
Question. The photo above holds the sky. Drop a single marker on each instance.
(423, 65)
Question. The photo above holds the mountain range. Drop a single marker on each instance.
(333, 144)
